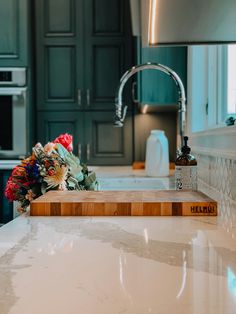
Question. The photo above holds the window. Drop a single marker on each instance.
(211, 86)
(231, 79)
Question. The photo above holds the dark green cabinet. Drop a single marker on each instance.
(108, 50)
(59, 54)
(82, 49)
(95, 140)
(105, 144)
(14, 37)
(6, 208)
(52, 124)
(156, 87)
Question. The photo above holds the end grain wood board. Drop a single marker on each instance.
(124, 203)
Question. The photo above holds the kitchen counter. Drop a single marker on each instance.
(109, 265)
(56, 265)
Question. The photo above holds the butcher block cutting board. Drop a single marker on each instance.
(124, 203)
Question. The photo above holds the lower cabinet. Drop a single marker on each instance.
(6, 208)
(95, 140)
(106, 144)
(52, 124)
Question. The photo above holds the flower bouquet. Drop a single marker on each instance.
(50, 167)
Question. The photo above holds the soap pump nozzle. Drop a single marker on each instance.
(185, 149)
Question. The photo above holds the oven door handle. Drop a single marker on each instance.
(9, 91)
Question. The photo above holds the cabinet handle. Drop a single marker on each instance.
(134, 86)
(79, 151)
(88, 97)
(88, 151)
(79, 97)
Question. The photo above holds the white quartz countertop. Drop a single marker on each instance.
(111, 265)
(58, 265)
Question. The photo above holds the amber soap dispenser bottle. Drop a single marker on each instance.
(186, 169)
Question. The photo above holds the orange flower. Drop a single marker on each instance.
(29, 161)
(19, 171)
(30, 195)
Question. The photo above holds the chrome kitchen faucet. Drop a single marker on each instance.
(120, 116)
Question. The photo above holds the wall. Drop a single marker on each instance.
(215, 150)
(213, 143)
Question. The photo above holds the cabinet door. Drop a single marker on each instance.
(13, 32)
(108, 50)
(157, 87)
(6, 208)
(52, 124)
(59, 54)
(105, 144)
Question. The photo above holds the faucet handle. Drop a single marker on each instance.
(134, 87)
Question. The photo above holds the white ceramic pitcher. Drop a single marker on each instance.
(157, 154)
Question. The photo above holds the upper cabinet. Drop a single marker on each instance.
(83, 48)
(14, 29)
(156, 87)
(108, 49)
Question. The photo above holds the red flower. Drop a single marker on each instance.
(19, 172)
(11, 189)
(65, 140)
(51, 172)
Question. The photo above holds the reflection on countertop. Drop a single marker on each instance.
(134, 265)
(117, 265)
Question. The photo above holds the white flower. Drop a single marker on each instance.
(48, 148)
(58, 178)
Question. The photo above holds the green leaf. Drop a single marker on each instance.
(62, 151)
(72, 182)
(90, 179)
(43, 188)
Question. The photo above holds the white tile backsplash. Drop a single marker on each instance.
(217, 178)
(219, 173)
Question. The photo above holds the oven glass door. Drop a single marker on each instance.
(6, 123)
(13, 128)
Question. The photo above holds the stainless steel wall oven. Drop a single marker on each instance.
(13, 112)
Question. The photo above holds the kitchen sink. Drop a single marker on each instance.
(135, 183)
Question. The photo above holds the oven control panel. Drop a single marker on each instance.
(12, 77)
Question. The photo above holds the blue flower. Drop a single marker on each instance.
(32, 171)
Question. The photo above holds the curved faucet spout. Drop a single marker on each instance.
(119, 116)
